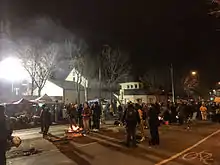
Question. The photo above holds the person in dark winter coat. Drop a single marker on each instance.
(5, 135)
(154, 124)
(96, 116)
(120, 112)
(72, 113)
(80, 110)
(45, 119)
(173, 113)
(181, 109)
(132, 118)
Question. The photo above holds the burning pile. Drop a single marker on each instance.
(75, 131)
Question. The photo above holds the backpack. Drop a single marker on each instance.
(131, 114)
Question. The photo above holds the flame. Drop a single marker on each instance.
(73, 129)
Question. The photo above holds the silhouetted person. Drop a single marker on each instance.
(45, 119)
(154, 124)
(71, 112)
(5, 135)
(132, 118)
(96, 116)
(80, 118)
(120, 112)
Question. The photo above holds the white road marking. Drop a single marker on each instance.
(85, 145)
(188, 149)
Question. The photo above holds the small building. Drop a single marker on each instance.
(61, 89)
(133, 91)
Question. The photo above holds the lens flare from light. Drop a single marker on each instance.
(11, 69)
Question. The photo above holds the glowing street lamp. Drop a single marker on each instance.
(193, 73)
(11, 69)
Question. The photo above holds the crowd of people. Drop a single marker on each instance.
(87, 116)
(152, 115)
(82, 115)
(132, 115)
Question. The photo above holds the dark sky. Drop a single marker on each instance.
(156, 32)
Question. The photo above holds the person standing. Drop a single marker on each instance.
(96, 116)
(80, 110)
(140, 112)
(131, 117)
(46, 119)
(86, 114)
(71, 111)
(120, 112)
(203, 111)
(5, 135)
(154, 124)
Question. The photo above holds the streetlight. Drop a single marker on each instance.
(12, 70)
(193, 73)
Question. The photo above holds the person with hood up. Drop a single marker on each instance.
(45, 117)
(80, 110)
(96, 116)
(154, 123)
(132, 118)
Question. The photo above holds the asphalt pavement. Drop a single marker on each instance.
(107, 147)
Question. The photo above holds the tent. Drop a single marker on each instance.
(23, 101)
(45, 99)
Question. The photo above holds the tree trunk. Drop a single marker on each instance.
(32, 87)
(110, 90)
(86, 93)
(78, 93)
(39, 91)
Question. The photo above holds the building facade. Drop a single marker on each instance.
(133, 91)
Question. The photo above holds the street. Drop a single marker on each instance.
(179, 146)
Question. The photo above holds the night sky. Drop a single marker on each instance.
(156, 33)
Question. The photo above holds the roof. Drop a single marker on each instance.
(64, 84)
(44, 98)
(23, 101)
(133, 82)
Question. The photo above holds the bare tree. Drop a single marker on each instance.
(116, 67)
(39, 60)
(190, 84)
(79, 62)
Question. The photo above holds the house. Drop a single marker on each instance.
(66, 88)
(63, 89)
(132, 91)
(75, 76)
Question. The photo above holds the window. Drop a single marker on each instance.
(136, 86)
(128, 86)
(151, 100)
(131, 86)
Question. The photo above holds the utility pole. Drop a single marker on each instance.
(100, 81)
(172, 83)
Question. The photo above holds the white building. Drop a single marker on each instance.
(131, 91)
(62, 89)
(74, 76)
(67, 89)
